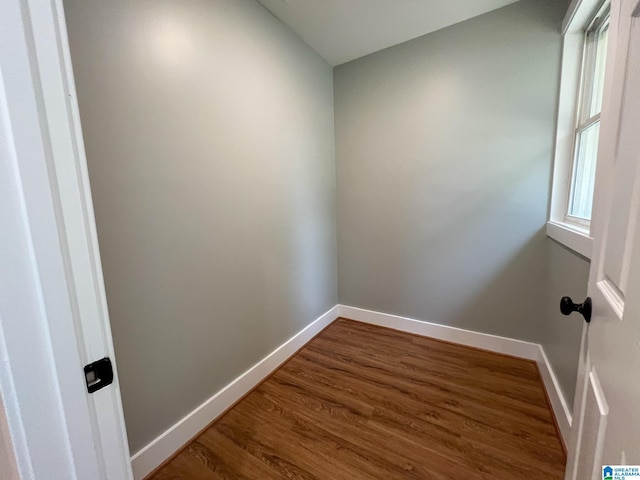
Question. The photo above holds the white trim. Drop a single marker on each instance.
(160, 449)
(485, 341)
(571, 68)
(78, 229)
(560, 228)
(578, 14)
(493, 343)
(572, 237)
(56, 429)
(558, 401)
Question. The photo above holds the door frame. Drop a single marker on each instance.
(53, 311)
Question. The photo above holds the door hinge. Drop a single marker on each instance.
(98, 374)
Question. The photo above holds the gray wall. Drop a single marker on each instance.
(443, 148)
(568, 274)
(209, 134)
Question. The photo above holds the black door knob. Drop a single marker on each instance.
(567, 307)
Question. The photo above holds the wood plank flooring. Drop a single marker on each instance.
(364, 402)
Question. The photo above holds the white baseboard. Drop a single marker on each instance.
(493, 343)
(160, 449)
(485, 341)
(556, 397)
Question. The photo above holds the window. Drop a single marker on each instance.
(586, 34)
(585, 147)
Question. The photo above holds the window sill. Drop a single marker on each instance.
(572, 237)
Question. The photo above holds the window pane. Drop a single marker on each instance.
(584, 172)
(598, 77)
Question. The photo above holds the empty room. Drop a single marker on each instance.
(319, 239)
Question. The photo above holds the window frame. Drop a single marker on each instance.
(584, 118)
(572, 231)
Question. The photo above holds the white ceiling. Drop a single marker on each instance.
(343, 30)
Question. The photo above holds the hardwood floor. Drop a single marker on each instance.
(364, 402)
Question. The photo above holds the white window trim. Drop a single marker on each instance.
(574, 235)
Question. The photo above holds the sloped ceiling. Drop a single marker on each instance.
(343, 30)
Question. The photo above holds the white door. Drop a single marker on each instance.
(606, 428)
(53, 315)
